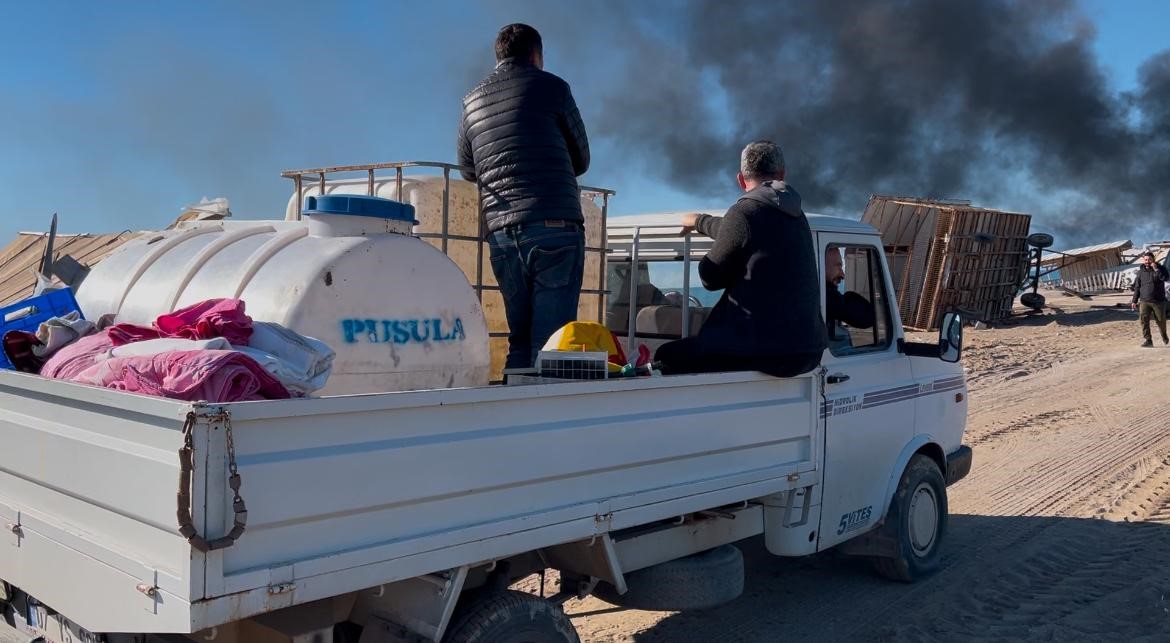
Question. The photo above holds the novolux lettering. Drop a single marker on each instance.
(402, 331)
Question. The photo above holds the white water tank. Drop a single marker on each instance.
(425, 193)
(398, 312)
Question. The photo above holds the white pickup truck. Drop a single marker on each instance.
(406, 516)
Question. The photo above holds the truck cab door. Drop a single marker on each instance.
(868, 408)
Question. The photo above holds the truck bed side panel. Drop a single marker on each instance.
(331, 492)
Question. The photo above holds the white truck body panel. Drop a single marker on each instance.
(351, 492)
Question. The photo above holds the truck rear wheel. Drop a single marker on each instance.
(917, 521)
(510, 617)
(700, 581)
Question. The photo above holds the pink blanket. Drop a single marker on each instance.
(207, 375)
(205, 320)
(77, 357)
(203, 375)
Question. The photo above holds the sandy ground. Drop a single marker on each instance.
(1060, 533)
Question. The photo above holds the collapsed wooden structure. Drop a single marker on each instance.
(946, 255)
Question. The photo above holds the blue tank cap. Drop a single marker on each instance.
(359, 205)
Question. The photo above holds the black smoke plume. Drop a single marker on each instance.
(1001, 102)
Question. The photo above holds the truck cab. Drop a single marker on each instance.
(885, 400)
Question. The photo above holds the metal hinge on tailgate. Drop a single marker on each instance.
(281, 588)
(604, 523)
(16, 530)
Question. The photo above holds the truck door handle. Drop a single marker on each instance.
(837, 378)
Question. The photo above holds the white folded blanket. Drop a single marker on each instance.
(302, 364)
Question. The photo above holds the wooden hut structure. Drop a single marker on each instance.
(1090, 269)
(946, 255)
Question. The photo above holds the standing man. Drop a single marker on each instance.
(523, 136)
(769, 316)
(1149, 293)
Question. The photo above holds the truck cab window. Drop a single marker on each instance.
(857, 311)
(660, 295)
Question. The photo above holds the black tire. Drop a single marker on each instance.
(510, 617)
(1033, 300)
(1040, 240)
(701, 581)
(347, 632)
(917, 521)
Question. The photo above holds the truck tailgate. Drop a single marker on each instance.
(87, 501)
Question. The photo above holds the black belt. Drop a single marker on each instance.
(547, 223)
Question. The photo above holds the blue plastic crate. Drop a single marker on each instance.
(28, 315)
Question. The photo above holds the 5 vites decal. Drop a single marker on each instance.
(854, 520)
(850, 403)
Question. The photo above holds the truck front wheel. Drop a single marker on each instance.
(917, 521)
(510, 617)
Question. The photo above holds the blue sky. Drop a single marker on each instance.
(115, 115)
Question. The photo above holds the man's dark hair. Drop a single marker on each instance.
(761, 160)
(1150, 255)
(518, 40)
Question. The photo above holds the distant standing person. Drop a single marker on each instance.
(522, 133)
(1149, 295)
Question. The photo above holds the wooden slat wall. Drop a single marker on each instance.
(946, 255)
(19, 261)
(1086, 265)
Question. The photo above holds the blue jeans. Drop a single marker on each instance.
(539, 268)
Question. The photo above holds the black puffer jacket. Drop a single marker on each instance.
(764, 259)
(522, 133)
(1150, 284)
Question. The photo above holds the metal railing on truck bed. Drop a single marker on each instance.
(445, 237)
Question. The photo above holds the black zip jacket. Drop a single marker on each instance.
(1150, 284)
(763, 257)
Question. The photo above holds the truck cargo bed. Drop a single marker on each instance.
(346, 493)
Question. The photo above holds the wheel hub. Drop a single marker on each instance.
(923, 519)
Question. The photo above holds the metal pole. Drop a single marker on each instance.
(601, 263)
(686, 307)
(398, 182)
(300, 195)
(633, 291)
(446, 205)
(479, 244)
(370, 183)
(322, 184)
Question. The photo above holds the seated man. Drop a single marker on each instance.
(768, 318)
(849, 309)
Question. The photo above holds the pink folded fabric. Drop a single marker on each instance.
(203, 375)
(75, 358)
(122, 334)
(205, 320)
(193, 375)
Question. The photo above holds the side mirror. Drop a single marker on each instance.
(950, 338)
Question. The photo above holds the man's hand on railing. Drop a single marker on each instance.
(689, 221)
